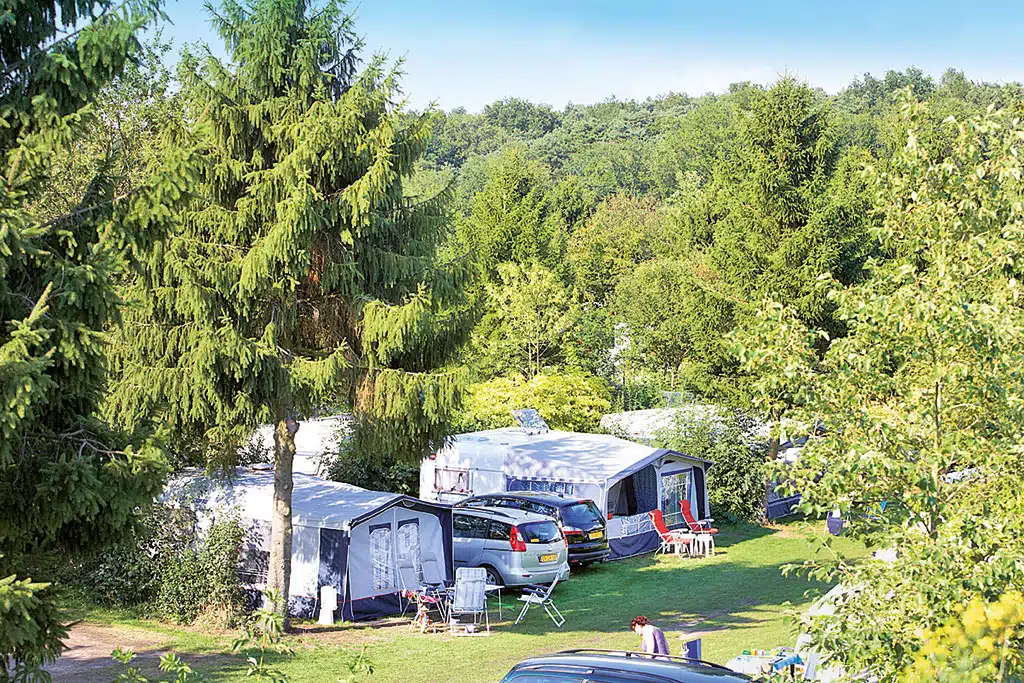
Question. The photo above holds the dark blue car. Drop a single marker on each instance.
(616, 666)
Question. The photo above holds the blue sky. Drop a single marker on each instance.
(460, 52)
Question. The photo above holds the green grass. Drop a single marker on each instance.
(735, 600)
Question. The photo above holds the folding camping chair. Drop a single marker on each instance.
(670, 540)
(701, 527)
(541, 595)
(470, 600)
(410, 582)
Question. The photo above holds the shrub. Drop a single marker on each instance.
(203, 581)
(737, 481)
(376, 472)
(571, 400)
(162, 566)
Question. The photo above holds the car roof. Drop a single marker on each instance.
(662, 670)
(554, 499)
(504, 514)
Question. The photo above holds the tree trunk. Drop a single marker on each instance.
(280, 570)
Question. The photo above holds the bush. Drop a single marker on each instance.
(737, 481)
(162, 567)
(203, 581)
(129, 574)
(572, 400)
(375, 472)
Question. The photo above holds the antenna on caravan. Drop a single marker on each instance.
(530, 421)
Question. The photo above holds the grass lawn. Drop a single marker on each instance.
(735, 600)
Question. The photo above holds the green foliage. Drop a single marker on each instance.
(377, 472)
(511, 217)
(32, 627)
(169, 663)
(623, 233)
(572, 401)
(263, 636)
(920, 401)
(130, 574)
(66, 480)
(737, 480)
(202, 580)
(529, 313)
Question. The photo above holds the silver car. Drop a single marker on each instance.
(516, 548)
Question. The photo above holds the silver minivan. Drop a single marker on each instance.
(516, 548)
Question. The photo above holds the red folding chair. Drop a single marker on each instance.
(701, 527)
(669, 539)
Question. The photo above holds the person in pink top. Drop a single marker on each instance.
(652, 638)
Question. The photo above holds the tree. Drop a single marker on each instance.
(571, 400)
(919, 405)
(528, 315)
(674, 320)
(67, 481)
(623, 233)
(510, 215)
(302, 277)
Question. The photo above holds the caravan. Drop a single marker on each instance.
(626, 480)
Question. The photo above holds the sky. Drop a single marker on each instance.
(469, 53)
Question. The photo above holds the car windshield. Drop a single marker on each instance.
(540, 532)
(583, 514)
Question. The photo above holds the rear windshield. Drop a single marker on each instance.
(583, 514)
(540, 532)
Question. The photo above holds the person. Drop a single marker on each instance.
(652, 638)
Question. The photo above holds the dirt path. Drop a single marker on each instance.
(86, 658)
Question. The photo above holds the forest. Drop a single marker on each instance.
(193, 246)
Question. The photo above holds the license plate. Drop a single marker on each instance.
(548, 558)
(596, 534)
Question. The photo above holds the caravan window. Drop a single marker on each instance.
(380, 556)
(451, 479)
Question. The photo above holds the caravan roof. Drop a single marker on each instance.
(568, 456)
(315, 501)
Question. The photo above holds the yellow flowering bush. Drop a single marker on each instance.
(984, 644)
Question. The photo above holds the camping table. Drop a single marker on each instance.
(495, 588)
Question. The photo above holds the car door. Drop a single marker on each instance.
(468, 535)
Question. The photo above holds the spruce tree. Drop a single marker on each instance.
(67, 481)
(302, 278)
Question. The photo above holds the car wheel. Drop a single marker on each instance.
(493, 577)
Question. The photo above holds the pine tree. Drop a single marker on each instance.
(67, 481)
(303, 278)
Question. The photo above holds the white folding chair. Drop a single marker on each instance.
(470, 600)
(541, 595)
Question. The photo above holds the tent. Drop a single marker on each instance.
(343, 536)
(625, 479)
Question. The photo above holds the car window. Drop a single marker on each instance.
(537, 677)
(540, 532)
(499, 531)
(540, 508)
(583, 514)
(469, 526)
